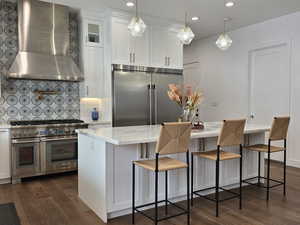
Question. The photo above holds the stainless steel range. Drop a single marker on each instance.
(43, 147)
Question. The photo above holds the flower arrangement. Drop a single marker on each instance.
(185, 97)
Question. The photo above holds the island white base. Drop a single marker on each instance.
(105, 173)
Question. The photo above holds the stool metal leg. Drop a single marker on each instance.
(133, 192)
(259, 168)
(269, 167)
(156, 190)
(241, 174)
(217, 181)
(284, 169)
(166, 200)
(192, 181)
(188, 188)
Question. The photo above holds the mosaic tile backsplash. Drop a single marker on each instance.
(18, 100)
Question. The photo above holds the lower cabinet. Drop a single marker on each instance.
(4, 154)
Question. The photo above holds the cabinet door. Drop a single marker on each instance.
(174, 51)
(121, 42)
(4, 154)
(159, 47)
(140, 48)
(93, 33)
(94, 72)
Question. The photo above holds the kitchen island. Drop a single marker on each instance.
(105, 158)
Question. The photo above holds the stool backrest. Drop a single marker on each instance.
(279, 128)
(174, 138)
(232, 133)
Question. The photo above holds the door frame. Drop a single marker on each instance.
(262, 46)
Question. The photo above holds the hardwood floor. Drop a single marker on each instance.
(54, 201)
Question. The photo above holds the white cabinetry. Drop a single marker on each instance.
(93, 62)
(166, 49)
(126, 49)
(4, 154)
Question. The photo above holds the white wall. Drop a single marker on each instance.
(223, 76)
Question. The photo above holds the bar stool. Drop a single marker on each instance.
(174, 138)
(278, 133)
(232, 133)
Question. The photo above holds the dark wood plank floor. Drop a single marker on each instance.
(54, 201)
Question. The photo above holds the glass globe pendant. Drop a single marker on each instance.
(137, 27)
(224, 41)
(186, 35)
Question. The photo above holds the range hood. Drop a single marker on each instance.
(43, 43)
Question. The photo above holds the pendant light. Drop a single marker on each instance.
(224, 41)
(137, 26)
(186, 34)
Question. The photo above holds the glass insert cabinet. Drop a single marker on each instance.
(93, 33)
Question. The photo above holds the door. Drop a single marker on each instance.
(94, 72)
(140, 49)
(121, 42)
(25, 157)
(61, 154)
(4, 154)
(270, 85)
(174, 51)
(165, 110)
(159, 47)
(93, 31)
(131, 98)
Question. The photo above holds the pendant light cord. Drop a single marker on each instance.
(136, 9)
(185, 20)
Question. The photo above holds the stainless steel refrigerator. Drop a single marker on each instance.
(140, 95)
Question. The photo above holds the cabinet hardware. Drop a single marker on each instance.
(168, 61)
(133, 57)
(130, 58)
(87, 90)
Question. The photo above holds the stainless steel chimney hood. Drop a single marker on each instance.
(43, 43)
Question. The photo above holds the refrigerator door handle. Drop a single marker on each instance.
(155, 103)
(150, 103)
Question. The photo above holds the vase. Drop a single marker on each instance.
(187, 115)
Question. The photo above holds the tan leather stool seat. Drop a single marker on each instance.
(212, 155)
(164, 164)
(264, 148)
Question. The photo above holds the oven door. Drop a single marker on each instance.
(25, 157)
(60, 154)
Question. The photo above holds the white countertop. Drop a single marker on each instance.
(5, 126)
(99, 122)
(148, 134)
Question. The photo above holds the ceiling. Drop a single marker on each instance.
(212, 12)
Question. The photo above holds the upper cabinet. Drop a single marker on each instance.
(93, 60)
(126, 49)
(166, 49)
(158, 47)
(93, 33)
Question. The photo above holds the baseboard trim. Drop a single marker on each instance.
(5, 181)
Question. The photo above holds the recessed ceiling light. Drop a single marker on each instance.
(130, 4)
(195, 18)
(229, 4)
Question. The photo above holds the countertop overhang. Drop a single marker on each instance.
(150, 133)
